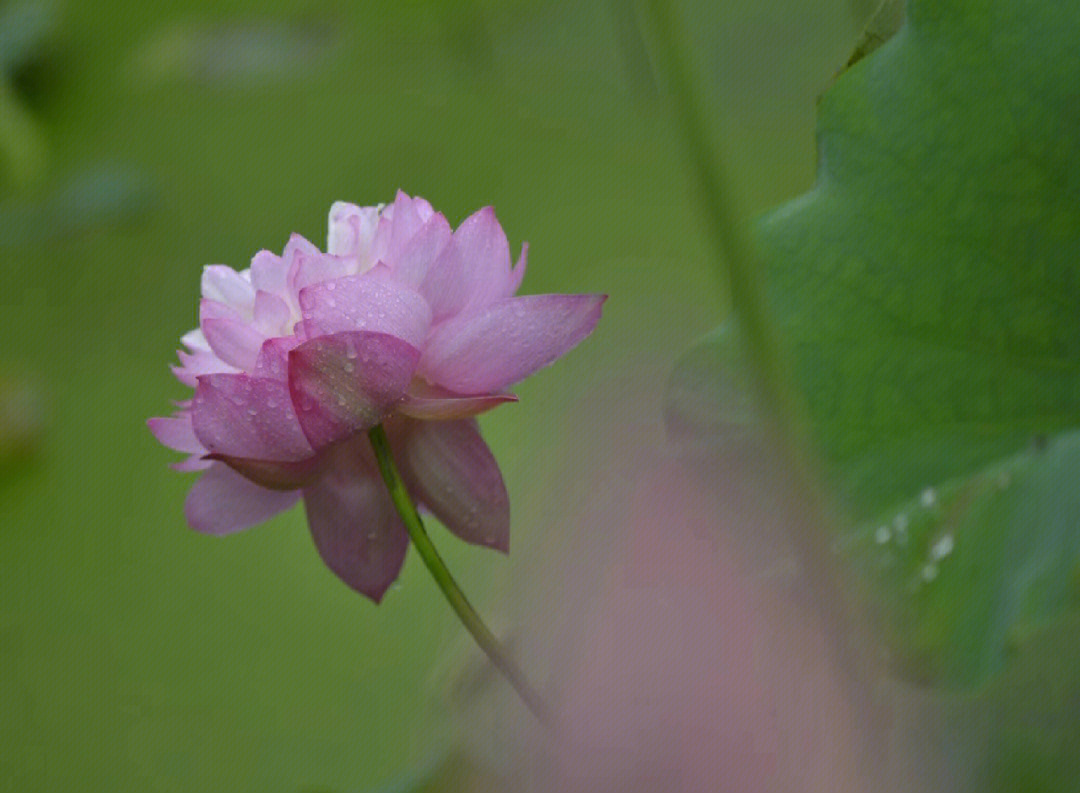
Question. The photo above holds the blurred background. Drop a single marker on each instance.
(140, 141)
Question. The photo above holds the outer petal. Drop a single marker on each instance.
(429, 402)
(222, 502)
(273, 360)
(176, 433)
(474, 270)
(422, 251)
(346, 382)
(356, 530)
(454, 473)
(365, 302)
(237, 415)
(487, 350)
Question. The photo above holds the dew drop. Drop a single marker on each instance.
(252, 412)
(341, 401)
(929, 572)
(350, 353)
(882, 535)
(942, 548)
(349, 367)
(928, 497)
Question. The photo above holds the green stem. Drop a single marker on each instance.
(770, 367)
(450, 589)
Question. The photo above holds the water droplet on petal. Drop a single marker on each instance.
(341, 401)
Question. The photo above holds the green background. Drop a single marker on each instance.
(138, 655)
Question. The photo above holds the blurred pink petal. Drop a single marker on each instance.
(222, 502)
(455, 475)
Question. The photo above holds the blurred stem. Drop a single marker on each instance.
(450, 589)
(21, 143)
(743, 276)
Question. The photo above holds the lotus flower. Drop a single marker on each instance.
(402, 321)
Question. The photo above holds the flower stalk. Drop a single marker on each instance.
(487, 641)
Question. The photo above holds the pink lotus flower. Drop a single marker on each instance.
(402, 321)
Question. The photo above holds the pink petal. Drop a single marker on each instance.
(272, 314)
(215, 309)
(271, 474)
(310, 270)
(356, 530)
(351, 229)
(242, 416)
(269, 272)
(347, 382)
(422, 251)
(194, 365)
(236, 343)
(362, 302)
(518, 273)
(222, 502)
(452, 471)
(273, 360)
(297, 251)
(176, 433)
(397, 225)
(487, 350)
(430, 402)
(474, 270)
(225, 285)
(196, 462)
(195, 341)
